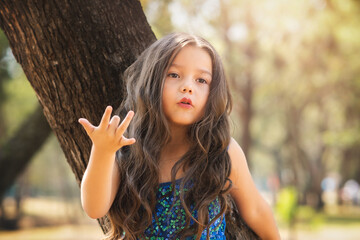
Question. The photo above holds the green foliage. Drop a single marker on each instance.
(287, 205)
(21, 102)
(17, 98)
(343, 138)
(309, 217)
(159, 16)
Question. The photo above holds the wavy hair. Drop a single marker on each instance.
(206, 164)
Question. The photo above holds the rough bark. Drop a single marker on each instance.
(73, 54)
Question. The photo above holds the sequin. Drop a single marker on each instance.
(171, 217)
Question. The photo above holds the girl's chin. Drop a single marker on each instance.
(181, 124)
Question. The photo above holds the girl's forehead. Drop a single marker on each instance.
(192, 54)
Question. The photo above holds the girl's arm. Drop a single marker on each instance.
(252, 207)
(100, 182)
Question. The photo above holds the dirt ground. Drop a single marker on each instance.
(47, 219)
(65, 232)
(93, 232)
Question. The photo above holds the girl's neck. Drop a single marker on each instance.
(178, 135)
(178, 144)
(172, 152)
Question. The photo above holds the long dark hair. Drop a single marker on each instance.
(206, 164)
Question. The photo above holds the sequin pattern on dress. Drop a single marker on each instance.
(171, 217)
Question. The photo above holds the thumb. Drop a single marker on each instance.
(89, 128)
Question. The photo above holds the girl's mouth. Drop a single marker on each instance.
(185, 103)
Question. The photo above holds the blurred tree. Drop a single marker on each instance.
(4, 75)
(301, 97)
(240, 59)
(314, 91)
(30, 136)
(73, 55)
(157, 13)
(349, 89)
(288, 64)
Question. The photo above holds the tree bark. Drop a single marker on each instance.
(73, 54)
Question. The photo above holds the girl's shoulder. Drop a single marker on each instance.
(235, 150)
(243, 189)
(238, 160)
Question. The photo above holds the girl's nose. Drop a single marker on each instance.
(187, 86)
(187, 89)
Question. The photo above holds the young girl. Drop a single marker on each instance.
(176, 179)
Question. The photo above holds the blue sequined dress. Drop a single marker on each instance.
(172, 219)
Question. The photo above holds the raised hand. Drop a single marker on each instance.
(108, 136)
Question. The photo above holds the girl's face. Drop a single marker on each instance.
(187, 86)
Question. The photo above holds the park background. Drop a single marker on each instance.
(294, 71)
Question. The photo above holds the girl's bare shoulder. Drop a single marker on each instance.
(239, 167)
(235, 152)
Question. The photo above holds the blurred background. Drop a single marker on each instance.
(294, 71)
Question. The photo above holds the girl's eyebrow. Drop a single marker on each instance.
(199, 69)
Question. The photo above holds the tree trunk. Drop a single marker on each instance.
(73, 54)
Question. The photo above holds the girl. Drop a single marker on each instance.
(176, 179)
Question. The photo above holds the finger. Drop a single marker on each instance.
(106, 117)
(89, 128)
(125, 123)
(125, 141)
(114, 122)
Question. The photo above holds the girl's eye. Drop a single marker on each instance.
(201, 80)
(173, 75)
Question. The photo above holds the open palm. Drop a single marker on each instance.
(108, 136)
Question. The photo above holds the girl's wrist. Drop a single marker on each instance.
(103, 152)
